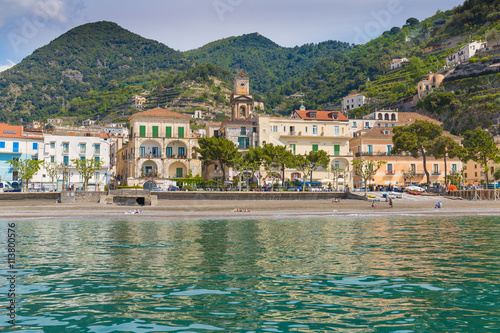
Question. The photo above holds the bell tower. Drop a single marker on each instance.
(241, 98)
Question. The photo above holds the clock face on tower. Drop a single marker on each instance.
(242, 87)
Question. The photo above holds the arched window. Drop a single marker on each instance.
(386, 116)
(380, 116)
(393, 117)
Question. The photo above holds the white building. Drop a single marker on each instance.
(465, 53)
(399, 63)
(63, 146)
(353, 101)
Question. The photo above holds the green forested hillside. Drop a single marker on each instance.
(268, 64)
(90, 58)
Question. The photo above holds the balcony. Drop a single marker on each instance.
(389, 172)
(150, 156)
(180, 157)
(436, 173)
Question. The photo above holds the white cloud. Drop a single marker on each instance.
(7, 66)
(54, 10)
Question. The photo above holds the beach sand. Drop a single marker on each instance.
(216, 209)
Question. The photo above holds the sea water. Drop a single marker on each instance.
(307, 275)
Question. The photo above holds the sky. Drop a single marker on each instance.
(26, 25)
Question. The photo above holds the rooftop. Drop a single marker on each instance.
(160, 113)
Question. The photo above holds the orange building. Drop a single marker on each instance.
(376, 144)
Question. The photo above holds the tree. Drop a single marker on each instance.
(26, 169)
(53, 172)
(217, 150)
(416, 140)
(481, 148)
(416, 68)
(313, 161)
(366, 169)
(302, 164)
(337, 172)
(445, 146)
(253, 158)
(278, 157)
(241, 166)
(410, 174)
(412, 21)
(496, 174)
(87, 168)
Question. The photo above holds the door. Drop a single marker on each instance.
(178, 173)
(169, 151)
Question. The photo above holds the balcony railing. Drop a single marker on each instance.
(150, 155)
(436, 173)
(358, 154)
(389, 172)
(177, 156)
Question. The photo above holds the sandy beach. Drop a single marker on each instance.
(212, 209)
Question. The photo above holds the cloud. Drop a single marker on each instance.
(53, 10)
(9, 65)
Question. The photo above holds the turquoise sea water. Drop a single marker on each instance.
(309, 275)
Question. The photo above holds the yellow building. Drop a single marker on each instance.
(161, 147)
(311, 130)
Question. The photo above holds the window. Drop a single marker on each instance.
(83, 148)
(453, 168)
(142, 150)
(52, 145)
(66, 160)
(284, 128)
(180, 130)
(96, 158)
(336, 131)
(65, 146)
(275, 129)
(97, 148)
(16, 147)
(370, 149)
(389, 169)
(306, 129)
(389, 148)
(315, 129)
(142, 131)
(336, 150)
(35, 146)
(243, 142)
(52, 159)
(243, 131)
(181, 151)
(82, 158)
(435, 169)
(354, 124)
(168, 131)
(413, 168)
(315, 147)
(2, 144)
(169, 152)
(293, 148)
(97, 176)
(367, 125)
(155, 131)
(337, 164)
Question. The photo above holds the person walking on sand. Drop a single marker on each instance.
(390, 202)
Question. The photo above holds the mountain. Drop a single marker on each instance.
(268, 64)
(92, 57)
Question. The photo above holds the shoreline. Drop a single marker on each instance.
(258, 209)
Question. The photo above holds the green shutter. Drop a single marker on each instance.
(155, 131)
(142, 131)
(178, 173)
(315, 147)
(241, 143)
(336, 149)
(293, 148)
(181, 132)
(168, 132)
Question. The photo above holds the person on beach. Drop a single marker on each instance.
(373, 204)
(439, 204)
(390, 202)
